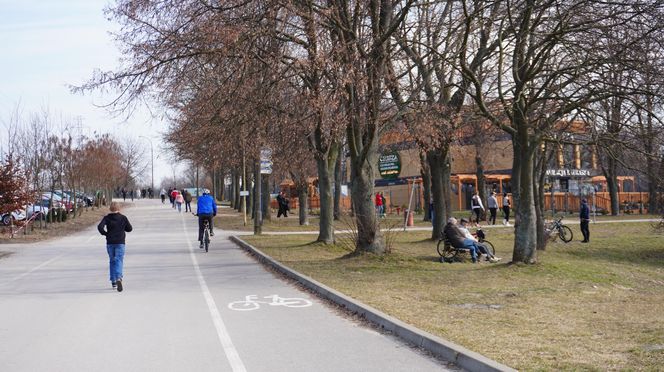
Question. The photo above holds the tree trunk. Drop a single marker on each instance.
(425, 171)
(525, 225)
(325, 167)
(337, 185)
(222, 186)
(266, 197)
(369, 237)
(538, 189)
(236, 192)
(612, 185)
(439, 167)
(303, 201)
(479, 173)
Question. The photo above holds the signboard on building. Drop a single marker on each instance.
(566, 172)
(389, 165)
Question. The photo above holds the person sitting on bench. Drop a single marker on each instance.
(480, 248)
(457, 239)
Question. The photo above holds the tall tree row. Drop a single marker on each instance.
(237, 76)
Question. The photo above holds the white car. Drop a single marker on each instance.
(42, 210)
(18, 215)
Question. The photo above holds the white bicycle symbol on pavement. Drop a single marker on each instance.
(251, 302)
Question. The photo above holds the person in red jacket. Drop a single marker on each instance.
(379, 204)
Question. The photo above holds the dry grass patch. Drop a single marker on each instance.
(590, 306)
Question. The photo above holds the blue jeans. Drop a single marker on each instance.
(472, 246)
(179, 206)
(116, 259)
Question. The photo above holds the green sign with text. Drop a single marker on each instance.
(389, 165)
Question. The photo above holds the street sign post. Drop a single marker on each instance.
(266, 161)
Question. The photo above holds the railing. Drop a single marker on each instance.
(629, 201)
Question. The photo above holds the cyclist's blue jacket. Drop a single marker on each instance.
(206, 205)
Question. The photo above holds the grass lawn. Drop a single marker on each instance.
(596, 306)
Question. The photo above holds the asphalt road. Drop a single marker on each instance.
(181, 310)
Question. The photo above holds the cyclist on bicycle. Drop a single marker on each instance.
(206, 208)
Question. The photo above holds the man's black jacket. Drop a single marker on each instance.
(115, 225)
(454, 235)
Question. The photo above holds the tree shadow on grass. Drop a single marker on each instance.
(648, 256)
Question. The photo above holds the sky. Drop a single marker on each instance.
(46, 45)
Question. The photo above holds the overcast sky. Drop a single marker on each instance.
(46, 45)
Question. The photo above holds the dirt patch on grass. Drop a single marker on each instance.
(590, 306)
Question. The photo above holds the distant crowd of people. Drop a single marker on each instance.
(125, 193)
(177, 198)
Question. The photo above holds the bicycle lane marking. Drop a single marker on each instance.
(225, 338)
(21, 276)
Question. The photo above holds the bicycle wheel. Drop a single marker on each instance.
(441, 247)
(206, 239)
(489, 246)
(565, 234)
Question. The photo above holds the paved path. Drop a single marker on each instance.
(59, 313)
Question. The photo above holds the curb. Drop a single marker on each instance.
(457, 354)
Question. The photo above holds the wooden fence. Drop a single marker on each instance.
(630, 202)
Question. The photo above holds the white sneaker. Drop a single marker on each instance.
(504, 222)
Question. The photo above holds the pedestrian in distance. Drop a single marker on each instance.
(173, 194)
(124, 194)
(584, 217)
(384, 201)
(114, 227)
(206, 209)
(187, 201)
(477, 207)
(507, 205)
(282, 203)
(492, 204)
(379, 204)
(179, 199)
(162, 195)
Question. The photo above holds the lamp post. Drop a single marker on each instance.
(152, 161)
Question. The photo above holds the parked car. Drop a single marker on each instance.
(39, 207)
(62, 199)
(18, 215)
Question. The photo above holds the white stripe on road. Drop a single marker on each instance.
(226, 342)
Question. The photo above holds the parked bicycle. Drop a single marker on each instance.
(556, 229)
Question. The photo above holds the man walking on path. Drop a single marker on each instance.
(584, 217)
(187, 201)
(114, 226)
(492, 204)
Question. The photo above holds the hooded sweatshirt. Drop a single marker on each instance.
(114, 226)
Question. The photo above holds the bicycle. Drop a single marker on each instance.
(206, 234)
(556, 228)
(251, 302)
